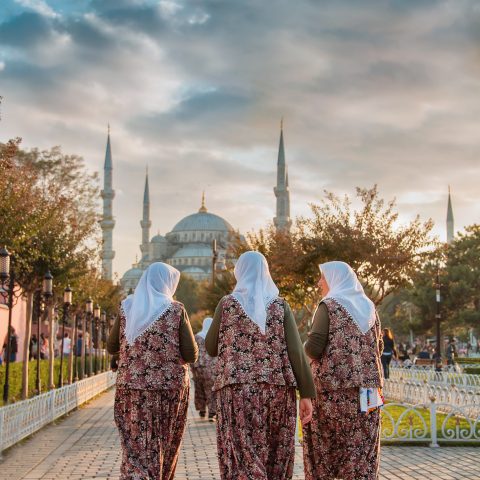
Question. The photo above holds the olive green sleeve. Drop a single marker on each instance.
(318, 336)
(188, 345)
(298, 359)
(113, 342)
(211, 340)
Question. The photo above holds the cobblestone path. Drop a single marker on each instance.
(85, 446)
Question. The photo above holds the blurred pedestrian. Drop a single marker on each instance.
(389, 351)
(13, 345)
(203, 371)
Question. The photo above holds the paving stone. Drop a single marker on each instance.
(85, 446)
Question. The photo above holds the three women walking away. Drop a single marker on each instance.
(345, 346)
(203, 372)
(155, 342)
(261, 363)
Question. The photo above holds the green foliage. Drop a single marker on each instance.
(189, 292)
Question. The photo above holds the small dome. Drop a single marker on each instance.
(202, 221)
(193, 270)
(158, 239)
(132, 274)
(193, 251)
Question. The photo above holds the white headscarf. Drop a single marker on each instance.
(345, 288)
(205, 326)
(152, 297)
(255, 289)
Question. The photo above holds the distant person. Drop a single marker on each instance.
(204, 375)
(13, 345)
(155, 342)
(424, 354)
(451, 352)
(33, 349)
(44, 347)
(388, 351)
(79, 345)
(67, 345)
(345, 344)
(260, 365)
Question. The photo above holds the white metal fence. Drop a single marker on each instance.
(438, 378)
(420, 411)
(21, 419)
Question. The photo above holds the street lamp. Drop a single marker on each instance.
(47, 292)
(88, 322)
(75, 349)
(438, 316)
(7, 279)
(67, 301)
(96, 315)
(103, 336)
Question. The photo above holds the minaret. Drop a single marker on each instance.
(145, 223)
(450, 221)
(282, 220)
(107, 223)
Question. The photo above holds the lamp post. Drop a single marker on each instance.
(7, 278)
(96, 316)
(67, 301)
(214, 259)
(75, 349)
(103, 336)
(111, 322)
(94, 328)
(438, 316)
(88, 321)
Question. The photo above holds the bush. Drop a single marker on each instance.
(15, 380)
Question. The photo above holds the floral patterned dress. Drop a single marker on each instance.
(203, 378)
(151, 399)
(340, 442)
(256, 400)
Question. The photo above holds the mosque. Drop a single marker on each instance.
(188, 246)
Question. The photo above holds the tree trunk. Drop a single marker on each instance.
(51, 347)
(26, 344)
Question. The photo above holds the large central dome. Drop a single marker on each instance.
(202, 221)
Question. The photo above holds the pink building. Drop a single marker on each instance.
(18, 323)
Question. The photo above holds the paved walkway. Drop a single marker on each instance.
(85, 446)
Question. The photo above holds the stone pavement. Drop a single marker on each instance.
(85, 446)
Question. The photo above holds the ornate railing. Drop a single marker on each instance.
(431, 376)
(450, 396)
(21, 419)
(425, 423)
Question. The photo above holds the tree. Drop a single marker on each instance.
(50, 220)
(458, 265)
(188, 292)
(384, 254)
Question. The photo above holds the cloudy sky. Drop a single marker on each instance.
(383, 92)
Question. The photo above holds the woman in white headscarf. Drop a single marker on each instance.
(155, 342)
(345, 345)
(203, 371)
(260, 364)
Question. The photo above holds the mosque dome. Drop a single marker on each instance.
(202, 221)
(159, 239)
(199, 250)
(193, 270)
(132, 274)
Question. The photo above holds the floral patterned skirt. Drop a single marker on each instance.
(204, 396)
(256, 431)
(341, 442)
(151, 424)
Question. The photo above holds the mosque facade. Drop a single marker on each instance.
(188, 246)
